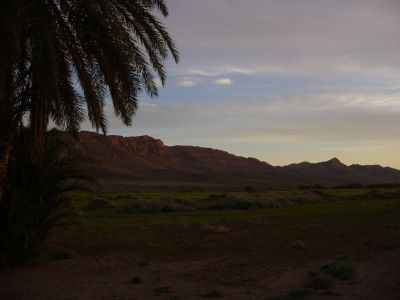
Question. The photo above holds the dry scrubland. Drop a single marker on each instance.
(327, 244)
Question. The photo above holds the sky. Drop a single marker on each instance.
(284, 81)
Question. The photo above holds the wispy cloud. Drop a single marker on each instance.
(187, 83)
(320, 65)
(213, 71)
(223, 82)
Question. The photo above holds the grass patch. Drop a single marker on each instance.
(317, 281)
(298, 245)
(213, 294)
(340, 269)
(143, 264)
(100, 203)
(64, 254)
(322, 226)
(188, 201)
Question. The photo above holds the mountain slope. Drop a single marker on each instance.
(128, 163)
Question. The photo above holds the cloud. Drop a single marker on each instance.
(187, 83)
(213, 72)
(223, 82)
(312, 65)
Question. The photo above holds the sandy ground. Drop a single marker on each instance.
(110, 278)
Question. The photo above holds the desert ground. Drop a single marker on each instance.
(199, 245)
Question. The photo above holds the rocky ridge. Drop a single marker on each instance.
(129, 162)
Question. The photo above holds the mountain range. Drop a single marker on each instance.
(136, 163)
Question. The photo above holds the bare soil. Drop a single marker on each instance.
(112, 276)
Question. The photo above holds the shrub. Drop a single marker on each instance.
(317, 281)
(64, 254)
(233, 202)
(163, 205)
(248, 189)
(213, 197)
(100, 204)
(341, 269)
(298, 245)
(213, 294)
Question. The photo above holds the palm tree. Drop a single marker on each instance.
(37, 199)
(60, 59)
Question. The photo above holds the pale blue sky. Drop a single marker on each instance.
(281, 80)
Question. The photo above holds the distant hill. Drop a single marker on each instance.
(134, 163)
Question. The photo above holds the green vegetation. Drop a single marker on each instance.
(299, 245)
(340, 225)
(146, 202)
(213, 294)
(64, 254)
(340, 269)
(318, 281)
(36, 201)
(100, 204)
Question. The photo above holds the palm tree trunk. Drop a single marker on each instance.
(5, 127)
(5, 149)
(5, 132)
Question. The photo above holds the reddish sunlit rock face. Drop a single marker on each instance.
(147, 160)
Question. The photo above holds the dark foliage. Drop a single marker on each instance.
(36, 200)
(112, 47)
(341, 269)
(318, 281)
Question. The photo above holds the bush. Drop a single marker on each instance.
(249, 189)
(233, 202)
(64, 254)
(340, 269)
(214, 197)
(36, 200)
(298, 245)
(213, 294)
(100, 204)
(317, 281)
(380, 195)
(163, 205)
